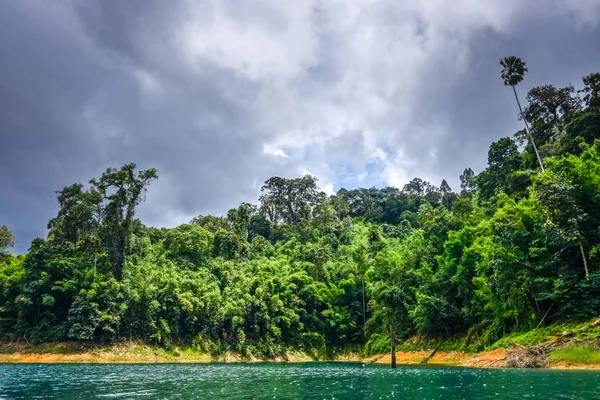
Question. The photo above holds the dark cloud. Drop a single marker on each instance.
(45, 77)
(482, 109)
(220, 96)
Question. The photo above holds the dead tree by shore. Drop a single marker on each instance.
(519, 356)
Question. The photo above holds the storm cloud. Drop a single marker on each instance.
(220, 95)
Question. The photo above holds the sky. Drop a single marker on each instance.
(219, 96)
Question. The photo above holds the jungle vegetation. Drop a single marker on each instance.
(517, 246)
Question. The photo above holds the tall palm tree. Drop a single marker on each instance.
(513, 70)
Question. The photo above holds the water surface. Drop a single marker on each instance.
(289, 381)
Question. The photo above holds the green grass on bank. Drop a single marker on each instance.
(125, 349)
(474, 342)
(549, 333)
(428, 343)
(576, 355)
(45, 348)
(379, 344)
(139, 351)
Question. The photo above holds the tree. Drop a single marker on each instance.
(563, 212)
(101, 217)
(391, 292)
(467, 182)
(416, 186)
(549, 110)
(421, 188)
(228, 245)
(503, 159)
(190, 242)
(121, 191)
(584, 126)
(7, 239)
(513, 71)
(290, 200)
(305, 271)
(210, 222)
(591, 90)
(433, 195)
(240, 219)
(444, 187)
(447, 196)
(503, 155)
(571, 192)
(361, 258)
(79, 215)
(341, 207)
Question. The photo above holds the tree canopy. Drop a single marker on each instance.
(517, 247)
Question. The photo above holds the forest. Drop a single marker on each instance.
(517, 246)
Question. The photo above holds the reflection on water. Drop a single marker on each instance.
(290, 381)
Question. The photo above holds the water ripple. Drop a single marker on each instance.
(289, 381)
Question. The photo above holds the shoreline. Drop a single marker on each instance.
(136, 353)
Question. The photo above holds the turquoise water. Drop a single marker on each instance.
(289, 381)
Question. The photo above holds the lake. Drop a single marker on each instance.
(289, 381)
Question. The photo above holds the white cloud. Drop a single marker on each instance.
(320, 71)
(274, 151)
(151, 88)
(262, 40)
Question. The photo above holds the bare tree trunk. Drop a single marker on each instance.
(364, 305)
(545, 315)
(585, 264)
(393, 344)
(527, 129)
(426, 359)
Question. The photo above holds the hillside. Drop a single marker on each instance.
(515, 249)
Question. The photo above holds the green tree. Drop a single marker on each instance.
(503, 159)
(416, 186)
(190, 242)
(7, 239)
(11, 286)
(303, 271)
(361, 258)
(240, 219)
(467, 182)
(210, 222)
(448, 197)
(549, 109)
(591, 90)
(290, 200)
(583, 127)
(513, 71)
(389, 317)
(121, 190)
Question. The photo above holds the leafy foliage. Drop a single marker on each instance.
(516, 249)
